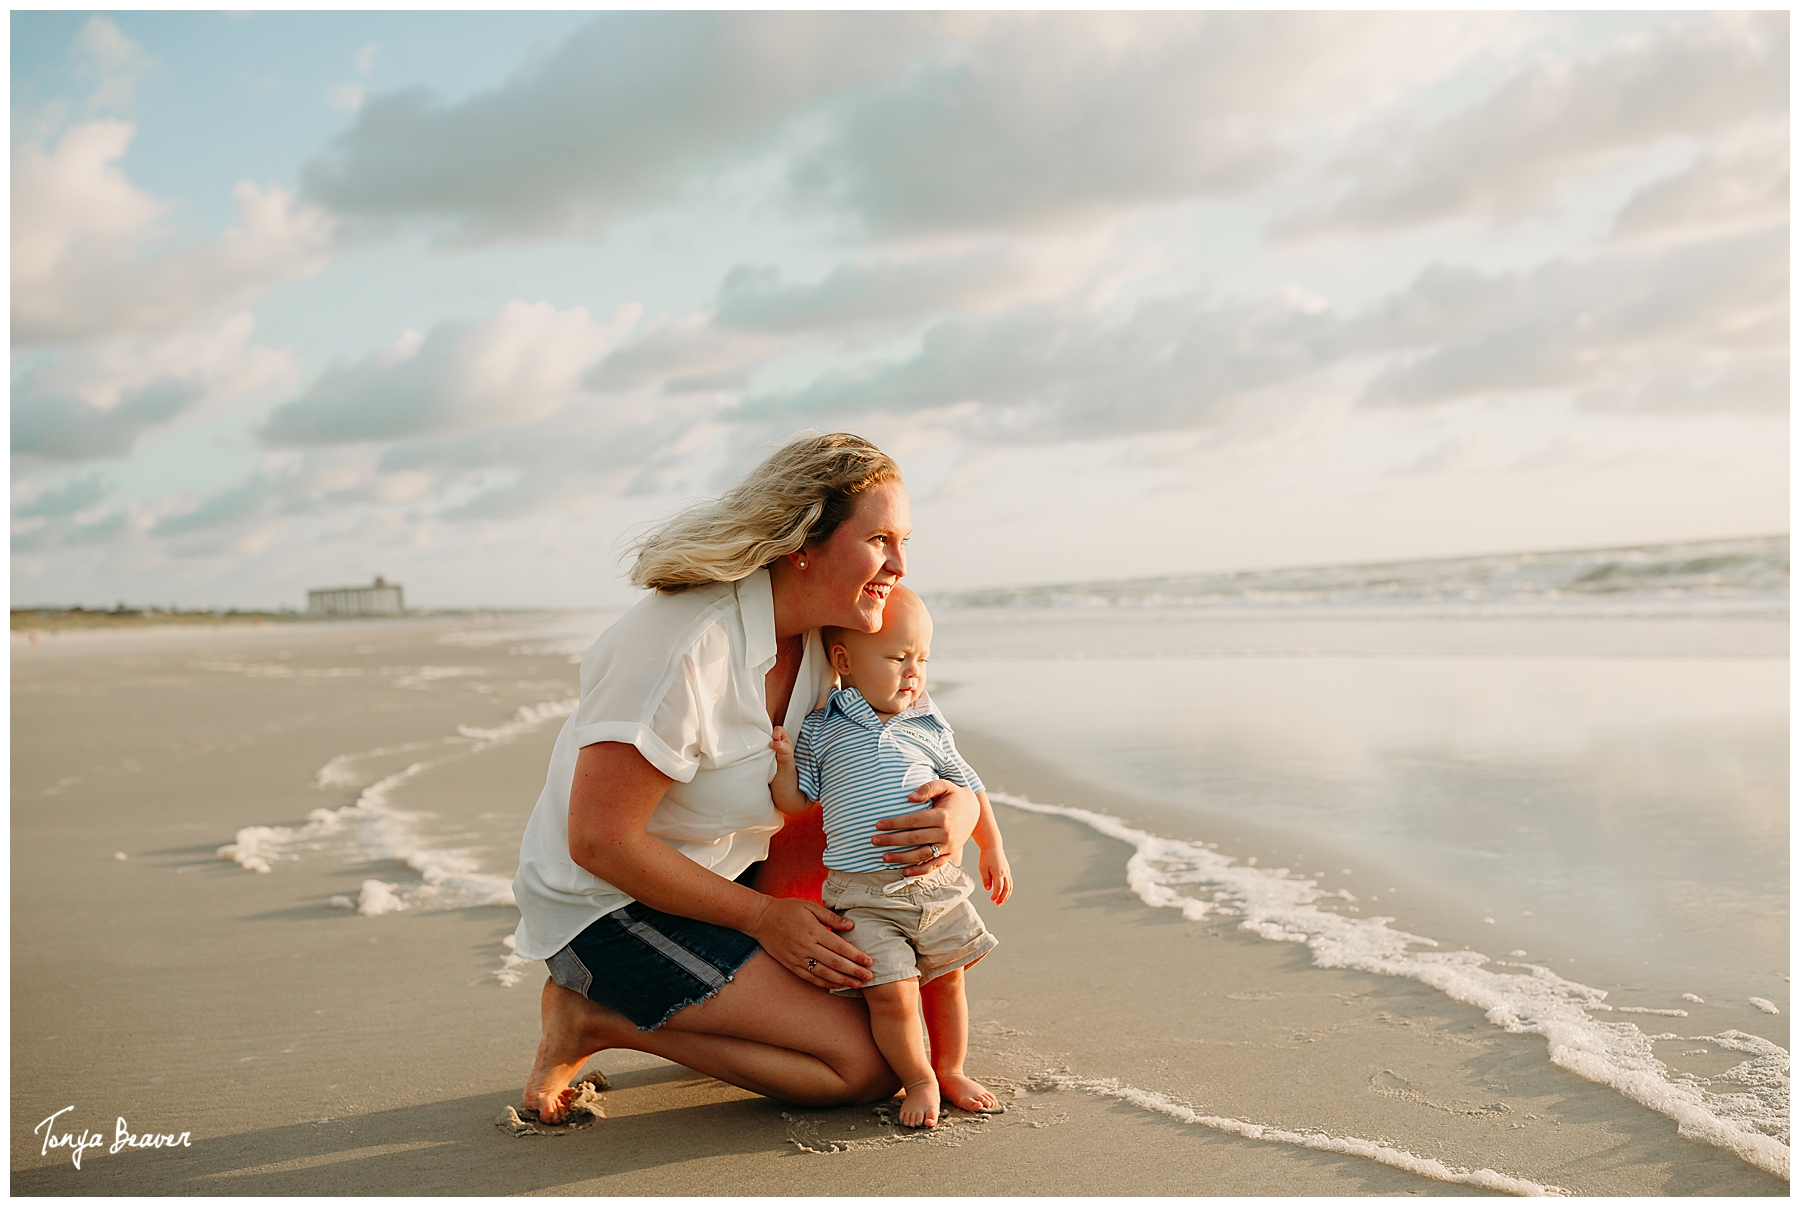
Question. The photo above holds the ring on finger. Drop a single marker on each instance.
(934, 851)
(811, 964)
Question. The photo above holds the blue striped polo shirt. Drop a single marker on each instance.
(862, 771)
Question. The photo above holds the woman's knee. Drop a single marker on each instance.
(872, 1082)
(860, 1066)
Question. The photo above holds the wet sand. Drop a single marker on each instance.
(307, 1049)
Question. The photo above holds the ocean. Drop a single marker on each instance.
(1551, 784)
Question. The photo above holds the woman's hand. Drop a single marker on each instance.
(947, 825)
(802, 933)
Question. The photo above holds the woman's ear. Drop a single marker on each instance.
(798, 558)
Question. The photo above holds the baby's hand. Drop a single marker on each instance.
(782, 746)
(996, 876)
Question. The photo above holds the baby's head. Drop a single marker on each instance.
(888, 667)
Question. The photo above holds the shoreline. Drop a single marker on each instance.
(309, 1049)
(1006, 769)
(63, 621)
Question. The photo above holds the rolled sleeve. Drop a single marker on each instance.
(667, 722)
(649, 743)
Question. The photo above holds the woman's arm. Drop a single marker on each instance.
(615, 791)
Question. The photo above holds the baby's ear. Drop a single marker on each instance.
(840, 659)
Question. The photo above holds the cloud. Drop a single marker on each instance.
(247, 515)
(595, 448)
(236, 504)
(522, 363)
(1053, 372)
(1453, 453)
(100, 532)
(1739, 182)
(347, 97)
(81, 231)
(98, 400)
(64, 428)
(1061, 117)
(63, 500)
(1687, 326)
(615, 120)
(759, 313)
(1549, 125)
(910, 123)
(683, 354)
(113, 61)
(898, 289)
(74, 194)
(1698, 326)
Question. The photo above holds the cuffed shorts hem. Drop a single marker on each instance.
(924, 929)
(984, 943)
(650, 966)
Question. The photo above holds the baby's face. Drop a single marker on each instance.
(888, 667)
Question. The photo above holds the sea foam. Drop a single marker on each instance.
(513, 966)
(340, 773)
(1378, 1151)
(1750, 1119)
(1745, 577)
(527, 718)
(372, 828)
(415, 677)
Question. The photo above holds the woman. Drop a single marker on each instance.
(634, 870)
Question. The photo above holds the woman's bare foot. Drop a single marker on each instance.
(574, 1029)
(965, 1092)
(920, 1106)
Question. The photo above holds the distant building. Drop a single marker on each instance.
(381, 599)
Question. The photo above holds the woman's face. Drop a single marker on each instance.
(851, 574)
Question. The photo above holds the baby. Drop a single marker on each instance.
(876, 739)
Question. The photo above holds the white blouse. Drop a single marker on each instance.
(680, 677)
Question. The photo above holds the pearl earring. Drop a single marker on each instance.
(803, 563)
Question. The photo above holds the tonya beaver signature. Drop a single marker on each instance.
(79, 1142)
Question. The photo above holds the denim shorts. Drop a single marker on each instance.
(648, 965)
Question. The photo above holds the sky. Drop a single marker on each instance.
(471, 300)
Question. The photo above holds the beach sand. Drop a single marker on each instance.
(309, 1049)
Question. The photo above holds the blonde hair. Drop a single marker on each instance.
(798, 496)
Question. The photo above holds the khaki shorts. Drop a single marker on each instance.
(923, 929)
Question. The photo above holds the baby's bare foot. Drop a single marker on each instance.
(965, 1092)
(920, 1106)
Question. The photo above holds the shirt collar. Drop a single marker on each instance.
(756, 604)
(850, 702)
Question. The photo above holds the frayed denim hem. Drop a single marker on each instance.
(678, 1007)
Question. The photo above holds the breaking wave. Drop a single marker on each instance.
(1743, 1110)
(1746, 577)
